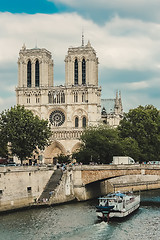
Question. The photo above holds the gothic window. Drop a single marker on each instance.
(83, 97)
(76, 122)
(37, 74)
(57, 118)
(54, 98)
(59, 98)
(62, 97)
(29, 74)
(83, 71)
(75, 97)
(84, 122)
(37, 100)
(76, 72)
(50, 98)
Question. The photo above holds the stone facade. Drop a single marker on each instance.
(69, 108)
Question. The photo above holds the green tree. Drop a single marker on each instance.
(61, 158)
(99, 144)
(143, 125)
(3, 148)
(23, 131)
(130, 148)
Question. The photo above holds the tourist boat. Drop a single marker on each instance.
(117, 205)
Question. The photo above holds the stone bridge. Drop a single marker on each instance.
(89, 180)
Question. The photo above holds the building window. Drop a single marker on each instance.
(84, 122)
(37, 74)
(62, 97)
(58, 98)
(75, 96)
(76, 122)
(37, 100)
(29, 74)
(29, 189)
(50, 98)
(57, 118)
(28, 100)
(83, 97)
(83, 71)
(76, 72)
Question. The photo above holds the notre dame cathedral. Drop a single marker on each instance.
(71, 107)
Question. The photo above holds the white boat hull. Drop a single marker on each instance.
(130, 208)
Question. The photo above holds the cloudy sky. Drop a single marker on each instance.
(124, 33)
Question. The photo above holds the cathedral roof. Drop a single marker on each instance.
(108, 105)
(83, 49)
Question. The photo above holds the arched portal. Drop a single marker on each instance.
(76, 147)
(52, 151)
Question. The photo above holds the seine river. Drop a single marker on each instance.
(78, 221)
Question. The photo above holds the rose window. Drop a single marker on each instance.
(57, 118)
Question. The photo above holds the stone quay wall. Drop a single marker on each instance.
(21, 186)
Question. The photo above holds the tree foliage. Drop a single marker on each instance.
(3, 148)
(99, 144)
(143, 125)
(130, 148)
(61, 158)
(23, 131)
(138, 136)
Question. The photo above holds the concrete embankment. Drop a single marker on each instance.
(22, 187)
(134, 183)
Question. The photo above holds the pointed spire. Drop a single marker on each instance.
(24, 46)
(88, 44)
(36, 44)
(82, 39)
(120, 101)
(116, 103)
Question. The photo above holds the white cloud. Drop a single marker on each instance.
(137, 85)
(126, 44)
(148, 83)
(148, 9)
(121, 43)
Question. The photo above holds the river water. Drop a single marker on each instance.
(78, 221)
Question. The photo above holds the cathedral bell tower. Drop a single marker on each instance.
(81, 66)
(35, 73)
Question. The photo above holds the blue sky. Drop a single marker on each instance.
(124, 33)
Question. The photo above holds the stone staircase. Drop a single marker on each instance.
(51, 185)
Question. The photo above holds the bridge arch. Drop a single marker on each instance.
(93, 181)
(89, 174)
